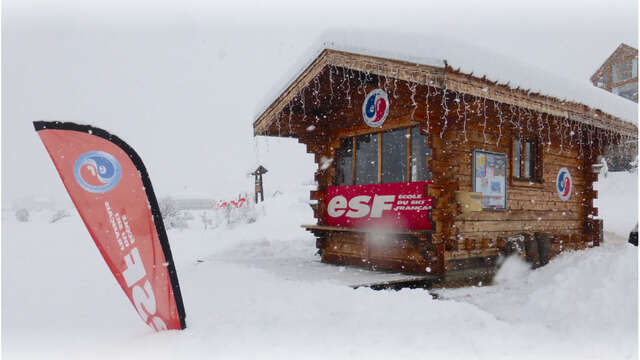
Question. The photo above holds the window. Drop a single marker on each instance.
(344, 162)
(419, 154)
(517, 149)
(629, 91)
(602, 81)
(526, 163)
(625, 70)
(392, 156)
(367, 159)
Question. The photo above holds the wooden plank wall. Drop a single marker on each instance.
(531, 206)
(457, 125)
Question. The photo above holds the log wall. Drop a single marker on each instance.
(457, 125)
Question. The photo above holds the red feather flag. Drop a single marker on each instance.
(110, 187)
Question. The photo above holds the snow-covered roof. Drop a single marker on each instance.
(470, 59)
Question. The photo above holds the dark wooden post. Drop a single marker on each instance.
(258, 174)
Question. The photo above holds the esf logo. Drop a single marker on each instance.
(564, 184)
(375, 108)
(97, 171)
(360, 206)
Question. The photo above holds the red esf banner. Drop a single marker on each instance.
(395, 205)
(110, 187)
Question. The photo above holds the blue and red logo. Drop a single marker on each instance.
(564, 184)
(97, 171)
(375, 108)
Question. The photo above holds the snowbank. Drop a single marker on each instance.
(259, 291)
(617, 202)
(587, 295)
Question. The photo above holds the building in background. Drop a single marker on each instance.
(619, 73)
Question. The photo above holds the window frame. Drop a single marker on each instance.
(534, 161)
(408, 174)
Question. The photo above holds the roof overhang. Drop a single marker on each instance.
(445, 78)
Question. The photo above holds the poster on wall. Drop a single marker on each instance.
(489, 178)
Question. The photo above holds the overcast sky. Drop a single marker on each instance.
(181, 81)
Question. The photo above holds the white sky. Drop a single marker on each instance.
(180, 80)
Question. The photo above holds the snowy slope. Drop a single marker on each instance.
(258, 291)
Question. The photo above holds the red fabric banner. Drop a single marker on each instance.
(110, 187)
(394, 206)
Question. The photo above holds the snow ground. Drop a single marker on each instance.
(258, 291)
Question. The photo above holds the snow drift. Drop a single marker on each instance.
(257, 290)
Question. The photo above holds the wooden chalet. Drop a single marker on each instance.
(426, 169)
(619, 73)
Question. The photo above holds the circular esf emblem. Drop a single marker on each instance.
(375, 108)
(97, 171)
(564, 184)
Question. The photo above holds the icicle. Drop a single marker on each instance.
(484, 114)
(561, 133)
(600, 141)
(610, 137)
(590, 136)
(395, 84)
(361, 83)
(519, 119)
(386, 78)
(304, 111)
(349, 76)
(458, 104)
(548, 132)
(529, 116)
(290, 115)
(571, 134)
(380, 78)
(540, 122)
(316, 91)
(344, 78)
(426, 102)
(512, 118)
(445, 112)
(580, 134)
(331, 83)
(498, 108)
(278, 123)
(412, 86)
